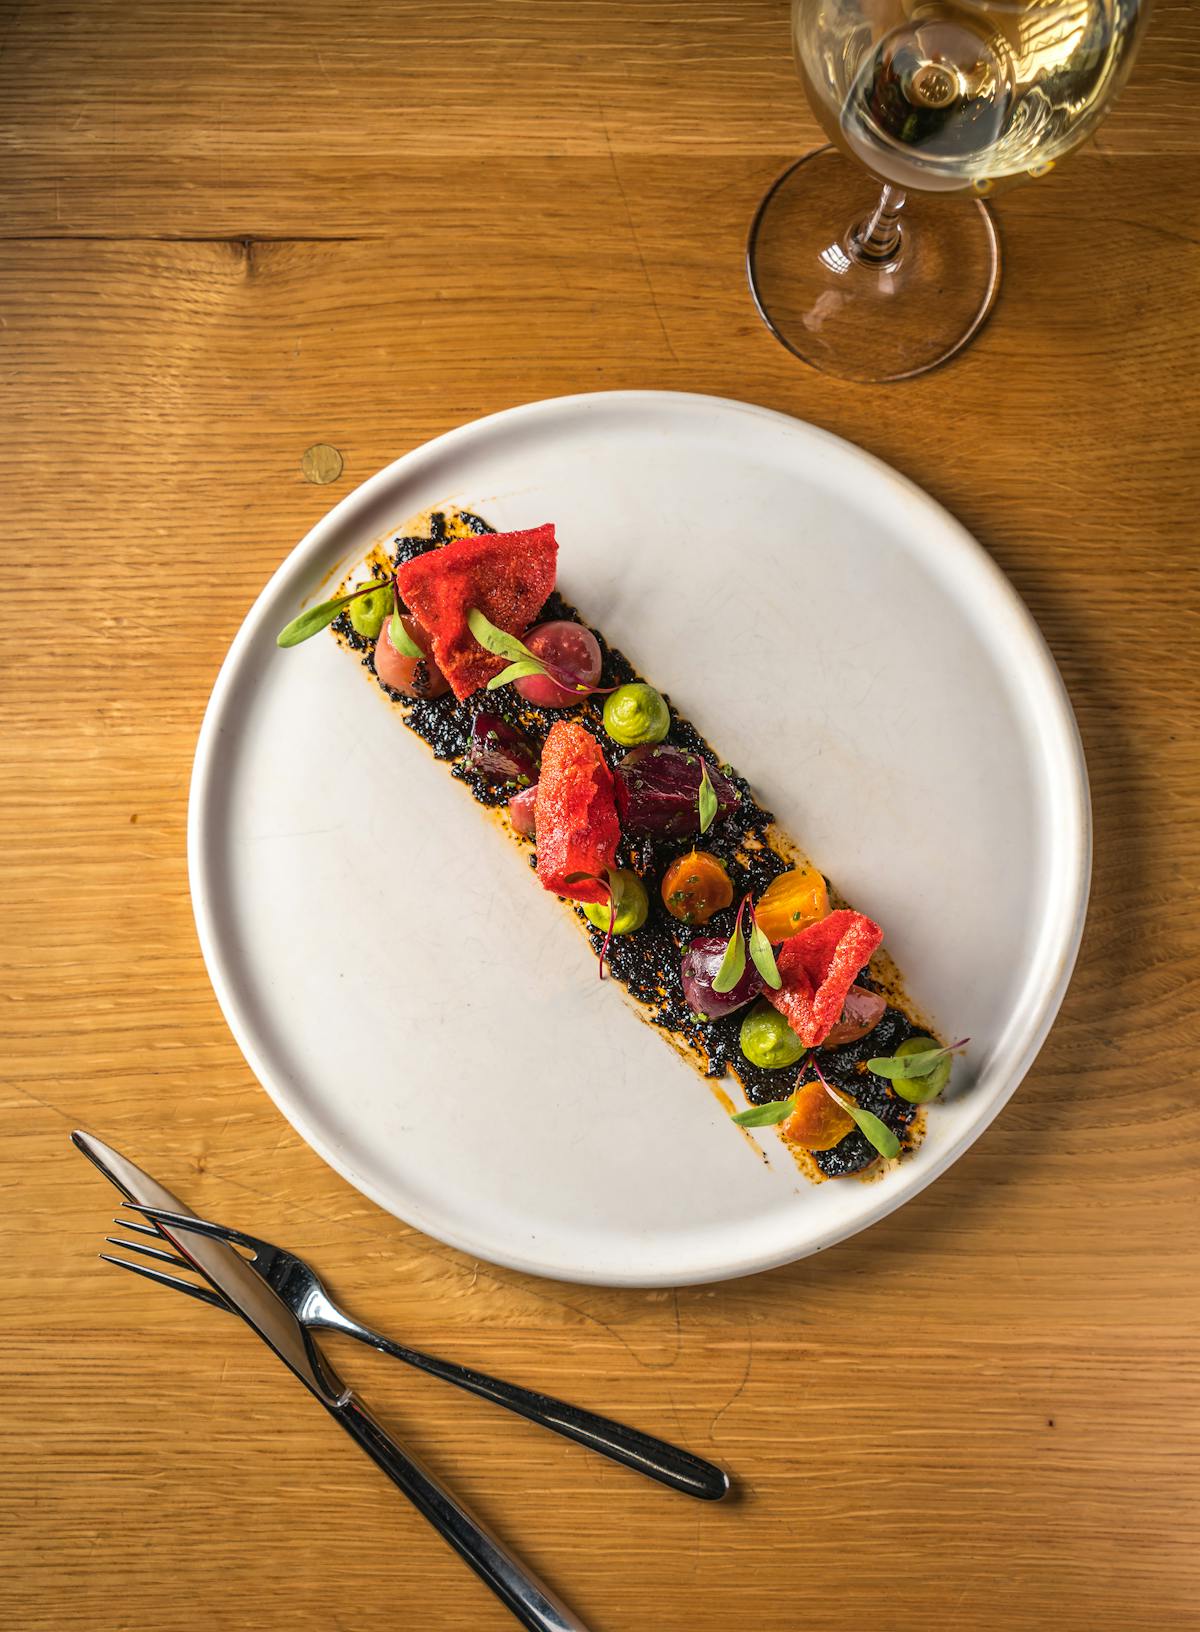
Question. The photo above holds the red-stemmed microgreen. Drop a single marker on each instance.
(523, 662)
(918, 1073)
(876, 1131)
(706, 799)
(733, 964)
(775, 1110)
(873, 1128)
(610, 883)
(398, 634)
(906, 1067)
(766, 1116)
(315, 618)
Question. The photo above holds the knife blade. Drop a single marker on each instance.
(532, 1602)
(224, 1268)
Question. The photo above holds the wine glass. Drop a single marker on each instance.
(942, 103)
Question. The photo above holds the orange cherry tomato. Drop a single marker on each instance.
(818, 1121)
(695, 886)
(790, 902)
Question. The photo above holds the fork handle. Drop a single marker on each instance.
(533, 1604)
(642, 1452)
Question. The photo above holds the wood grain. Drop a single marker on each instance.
(232, 231)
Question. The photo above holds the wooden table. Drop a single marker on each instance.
(234, 230)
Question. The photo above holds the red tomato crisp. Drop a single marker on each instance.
(508, 576)
(818, 966)
(575, 816)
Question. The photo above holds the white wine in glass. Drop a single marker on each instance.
(942, 102)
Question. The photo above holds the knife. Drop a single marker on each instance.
(529, 1599)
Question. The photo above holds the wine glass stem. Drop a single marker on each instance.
(875, 240)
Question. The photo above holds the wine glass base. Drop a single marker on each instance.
(859, 319)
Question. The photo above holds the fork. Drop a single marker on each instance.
(298, 1284)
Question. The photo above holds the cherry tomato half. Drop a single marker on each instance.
(412, 676)
(571, 647)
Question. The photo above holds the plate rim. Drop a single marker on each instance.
(1075, 791)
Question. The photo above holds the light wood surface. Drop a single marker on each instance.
(231, 231)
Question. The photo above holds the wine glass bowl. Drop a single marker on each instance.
(942, 102)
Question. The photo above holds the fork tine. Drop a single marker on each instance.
(149, 1252)
(198, 1226)
(136, 1225)
(200, 1292)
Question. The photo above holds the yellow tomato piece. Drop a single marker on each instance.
(791, 901)
(818, 1122)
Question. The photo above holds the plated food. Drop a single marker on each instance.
(426, 1016)
(698, 904)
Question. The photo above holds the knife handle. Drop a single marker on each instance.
(533, 1604)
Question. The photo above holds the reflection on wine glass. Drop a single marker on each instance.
(943, 102)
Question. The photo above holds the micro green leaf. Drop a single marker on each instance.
(398, 634)
(707, 799)
(733, 964)
(516, 671)
(608, 933)
(522, 661)
(611, 883)
(766, 1116)
(315, 618)
(310, 622)
(499, 641)
(905, 1067)
(762, 955)
(872, 1127)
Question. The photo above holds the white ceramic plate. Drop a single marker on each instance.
(430, 1020)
